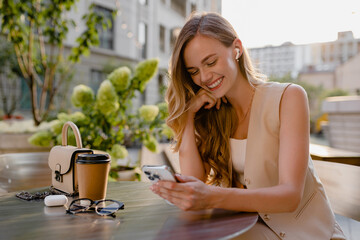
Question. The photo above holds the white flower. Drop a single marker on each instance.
(106, 99)
(82, 95)
(149, 112)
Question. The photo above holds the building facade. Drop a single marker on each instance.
(327, 64)
(335, 64)
(278, 61)
(347, 75)
(329, 55)
(141, 30)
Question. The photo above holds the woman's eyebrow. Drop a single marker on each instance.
(207, 57)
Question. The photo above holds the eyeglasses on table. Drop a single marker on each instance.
(106, 207)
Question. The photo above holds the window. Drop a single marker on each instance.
(96, 78)
(193, 7)
(142, 38)
(105, 36)
(173, 35)
(323, 52)
(161, 85)
(143, 97)
(179, 6)
(162, 38)
(25, 101)
(332, 49)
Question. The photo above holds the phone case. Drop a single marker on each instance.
(158, 172)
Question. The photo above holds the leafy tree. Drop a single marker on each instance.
(105, 120)
(334, 93)
(38, 30)
(9, 74)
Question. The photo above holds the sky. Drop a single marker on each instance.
(273, 22)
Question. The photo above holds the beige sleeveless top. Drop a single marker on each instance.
(314, 218)
(238, 151)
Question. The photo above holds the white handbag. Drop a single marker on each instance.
(62, 161)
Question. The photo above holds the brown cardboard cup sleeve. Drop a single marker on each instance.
(92, 172)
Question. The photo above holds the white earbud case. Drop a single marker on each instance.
(55, 200)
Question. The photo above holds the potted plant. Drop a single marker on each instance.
(105, 119)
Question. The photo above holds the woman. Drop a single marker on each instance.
(243, 143)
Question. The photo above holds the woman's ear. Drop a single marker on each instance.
(238, 48)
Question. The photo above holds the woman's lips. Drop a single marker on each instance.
(215, 85)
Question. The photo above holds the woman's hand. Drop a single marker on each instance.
(189, 194)
(205, 99)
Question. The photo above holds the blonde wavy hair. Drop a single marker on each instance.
(213, 127)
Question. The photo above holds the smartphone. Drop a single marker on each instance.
(159, 172)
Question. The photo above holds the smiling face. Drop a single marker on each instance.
(211, 65)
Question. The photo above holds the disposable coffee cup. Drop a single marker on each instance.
(92, 173)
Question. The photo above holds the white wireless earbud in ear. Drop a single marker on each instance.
(237, 54)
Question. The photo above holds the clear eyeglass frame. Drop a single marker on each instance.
(106, 207)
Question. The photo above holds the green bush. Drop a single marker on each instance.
(105, 120)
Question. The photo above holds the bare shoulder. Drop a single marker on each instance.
(294, 100)
(294, 92)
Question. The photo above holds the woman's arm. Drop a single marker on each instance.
(191, 163)
(293, 159)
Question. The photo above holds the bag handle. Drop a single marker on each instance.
(76, 133)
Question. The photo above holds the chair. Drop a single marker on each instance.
(342, 186)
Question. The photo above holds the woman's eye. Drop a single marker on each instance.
(192, 73)
(212, 63)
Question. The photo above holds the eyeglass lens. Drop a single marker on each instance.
(103, 207)
(80, 205)
(107, 207)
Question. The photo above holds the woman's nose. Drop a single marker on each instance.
(205, 77)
